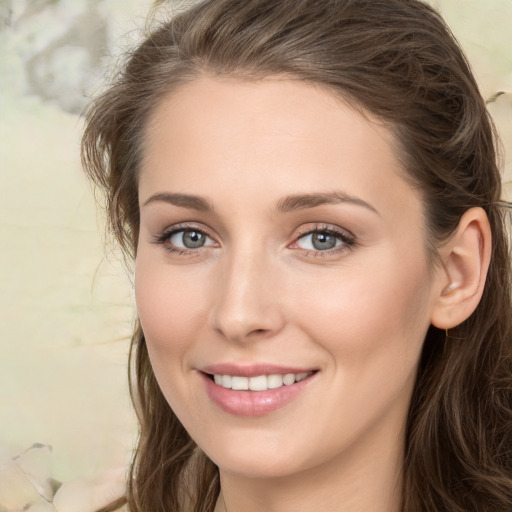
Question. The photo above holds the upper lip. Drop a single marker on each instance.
(252, 370)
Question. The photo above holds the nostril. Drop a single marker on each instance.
(244, 321)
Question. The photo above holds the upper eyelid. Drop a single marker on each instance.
(176, 228)
(166, 233)
(319, 228)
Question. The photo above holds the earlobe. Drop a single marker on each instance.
(462, 275)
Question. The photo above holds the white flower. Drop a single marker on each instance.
(90, 494)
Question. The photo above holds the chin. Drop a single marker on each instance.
(255, 459)
(260, 468)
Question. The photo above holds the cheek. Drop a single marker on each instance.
(371, 326)
(169, 305)
(361, 313)
(171, 311)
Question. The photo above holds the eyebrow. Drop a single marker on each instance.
(304, 201)
(182, 200)
(284, 205)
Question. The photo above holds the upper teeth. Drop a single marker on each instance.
(259, 383)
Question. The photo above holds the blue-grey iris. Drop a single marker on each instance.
(323, 241)
(193, 239)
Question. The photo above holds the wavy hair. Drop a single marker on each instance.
(397, 60)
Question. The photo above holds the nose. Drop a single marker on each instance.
(246, 300)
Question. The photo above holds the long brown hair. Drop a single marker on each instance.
(397, 60)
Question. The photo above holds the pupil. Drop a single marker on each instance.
(322, 241)
(193, 239)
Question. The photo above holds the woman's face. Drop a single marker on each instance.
(281, 250)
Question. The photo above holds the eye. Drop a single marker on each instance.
(189, 239)
(318, 241)
(324, 239)
(184, 239)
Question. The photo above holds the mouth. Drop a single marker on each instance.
(257, 390)
(258, 382)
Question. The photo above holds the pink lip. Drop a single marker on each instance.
(251, 370)
(252, 403)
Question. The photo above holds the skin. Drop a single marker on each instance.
(258, 291)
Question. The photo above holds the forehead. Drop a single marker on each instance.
(265, 139)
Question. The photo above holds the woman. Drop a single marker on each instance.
(311, 195)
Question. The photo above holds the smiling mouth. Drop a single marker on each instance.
(255, 390)
(259, 382)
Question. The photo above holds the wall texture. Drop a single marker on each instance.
(67, 304)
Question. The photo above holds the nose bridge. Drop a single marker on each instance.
(246, 303)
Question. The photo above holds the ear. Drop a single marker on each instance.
(461, 276)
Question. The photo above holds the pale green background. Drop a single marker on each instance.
(66, 305)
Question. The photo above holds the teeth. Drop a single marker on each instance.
(275, 381)
(301, 376)
(259, 383)
(289, 379)
(239, 383)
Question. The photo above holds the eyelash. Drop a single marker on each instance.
(166, 235)
(347, 239)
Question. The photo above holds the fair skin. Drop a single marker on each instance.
(238, 272)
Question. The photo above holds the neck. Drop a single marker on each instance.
(368, 479)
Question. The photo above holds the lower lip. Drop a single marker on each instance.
(253, 403)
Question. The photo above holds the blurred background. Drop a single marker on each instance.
(66, 302)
